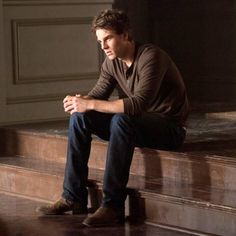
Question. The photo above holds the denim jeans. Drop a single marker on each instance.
(124, 133)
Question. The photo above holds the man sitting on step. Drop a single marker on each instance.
(150, 112)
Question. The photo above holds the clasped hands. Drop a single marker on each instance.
(77, 103)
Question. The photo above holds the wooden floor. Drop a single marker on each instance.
(18, 218)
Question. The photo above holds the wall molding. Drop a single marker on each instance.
(19, 79)
(40, 98)
(56, 78)
(54, 2)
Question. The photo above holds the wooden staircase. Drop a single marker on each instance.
(192, 189)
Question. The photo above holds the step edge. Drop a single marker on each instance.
(189, 157)
(178, 229)
(186, 200)
(40, 200)
(13, 131)
(32, 170)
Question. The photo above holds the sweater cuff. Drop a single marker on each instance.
(128, 107)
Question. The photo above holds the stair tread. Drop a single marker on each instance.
(58, 128)
(37, 165)
(199, 195)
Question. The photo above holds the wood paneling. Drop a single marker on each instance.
(49, 52)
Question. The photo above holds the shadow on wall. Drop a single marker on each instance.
(179, 167)
(3, 229)
(9, 143)
(152, 161)
(138, 12)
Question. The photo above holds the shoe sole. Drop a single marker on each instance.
(103, 225)
(60, 213)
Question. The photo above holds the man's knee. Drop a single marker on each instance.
(121, 120)
(75, 116)
(78, 118)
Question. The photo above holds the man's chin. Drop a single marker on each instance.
(111, 57)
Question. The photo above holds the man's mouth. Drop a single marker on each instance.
(108, 53)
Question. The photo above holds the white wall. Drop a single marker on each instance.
(49, 53)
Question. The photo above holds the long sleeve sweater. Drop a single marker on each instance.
(152, 83)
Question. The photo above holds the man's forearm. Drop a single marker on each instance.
(115, 106)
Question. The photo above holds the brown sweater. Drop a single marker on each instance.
(152, 84)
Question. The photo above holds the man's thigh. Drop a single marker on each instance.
(99, 123)
(155, 131)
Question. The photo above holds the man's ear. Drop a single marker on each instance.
(126, 35)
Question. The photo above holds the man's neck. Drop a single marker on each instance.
(129, 58)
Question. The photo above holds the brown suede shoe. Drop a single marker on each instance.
(60, 207)
(105, 216)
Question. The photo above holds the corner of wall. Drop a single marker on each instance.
(2, 70)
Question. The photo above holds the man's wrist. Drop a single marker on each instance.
(91, 104)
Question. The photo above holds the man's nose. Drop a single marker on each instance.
(104, 45)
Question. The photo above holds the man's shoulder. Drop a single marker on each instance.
(143, 46)
(149, 49)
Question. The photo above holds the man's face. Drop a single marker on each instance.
(111, 43)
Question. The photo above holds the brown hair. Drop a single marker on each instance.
(112, 19)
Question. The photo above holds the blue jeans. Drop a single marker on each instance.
(123, 133)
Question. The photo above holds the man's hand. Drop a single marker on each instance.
(77, 103)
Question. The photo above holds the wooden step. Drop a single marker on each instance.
(198, 209)
(207, 158)
(34, 178)
(42, 140)
(157, 201)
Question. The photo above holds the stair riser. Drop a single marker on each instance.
(146, 162)
(189, 216)
(35, 146)
(30, 184)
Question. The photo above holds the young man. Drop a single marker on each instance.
(150, 112)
